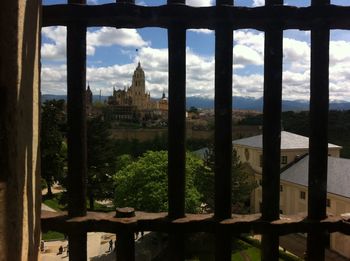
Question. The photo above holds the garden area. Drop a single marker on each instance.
(244, 248)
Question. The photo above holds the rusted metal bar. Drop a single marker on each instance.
(318, 142)
(77, 245)
(223, 120)
(125, 242)
(108, 222)
(125, 248)
(223, 132)
(133, 16)
(272, 133)
(270, 247)
(76, 82)
(176, 131)
(176, 118)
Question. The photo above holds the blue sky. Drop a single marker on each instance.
(112, 58)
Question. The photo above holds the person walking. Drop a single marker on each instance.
(110, 245)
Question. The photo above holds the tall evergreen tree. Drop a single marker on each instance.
(243, 182)
(53, 149)
(100, 161)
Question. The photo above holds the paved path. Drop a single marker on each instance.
(296, 244)
(47, 208)
(97, 248)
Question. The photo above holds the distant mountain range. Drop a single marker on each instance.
(239, 103)
(246, 103)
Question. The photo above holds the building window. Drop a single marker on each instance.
(246, 154)
(328, 202)
(281, 211)
(281, 188)
(261, 160)
(284, 159)
(302, 195)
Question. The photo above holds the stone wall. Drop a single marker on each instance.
(149, 134)
(19, 111)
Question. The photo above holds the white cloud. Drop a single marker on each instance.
(92, 2)
(247, 85)
(245, 55)
(201, 31)
(55, 48)
(251, 39)
(296, 55)
(258, 2)
(140, 2)
(53, 79)
(200, 2)
(107, 36)
(339, 52)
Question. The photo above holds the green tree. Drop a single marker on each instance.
(100, 161)
(243, 182)
(143, 183)
(53, 148)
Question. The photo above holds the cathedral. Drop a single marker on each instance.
(136, 95)
(132, 102)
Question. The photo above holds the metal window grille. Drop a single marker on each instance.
(224, 18)
(284, 159)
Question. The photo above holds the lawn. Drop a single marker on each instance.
(54, 202)
(57, 202)
(52, 235)
(251, 253)
(242, 251)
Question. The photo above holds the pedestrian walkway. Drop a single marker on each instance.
(47, 208)
(296, 244)
(97, 248)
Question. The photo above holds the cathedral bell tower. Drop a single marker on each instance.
(138, 89)
(138, 80)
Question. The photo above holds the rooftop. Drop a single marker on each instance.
(338, 175)
(289, 141)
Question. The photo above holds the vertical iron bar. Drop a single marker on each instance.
(76, 81)
(176, 131)
(125, 242)
(273, 59)
(223, 131)
(177, 111)
(125, 250)
(318, 143)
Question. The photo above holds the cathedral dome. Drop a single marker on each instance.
(139, 71)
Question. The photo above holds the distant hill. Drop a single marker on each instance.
(246, 103)
(240, 103)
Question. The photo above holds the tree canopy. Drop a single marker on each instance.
(143, 183)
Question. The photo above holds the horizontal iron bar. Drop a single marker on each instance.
(107, 222)
(134, 16)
